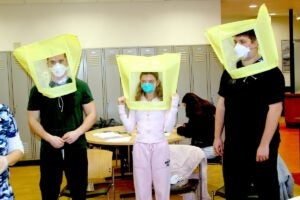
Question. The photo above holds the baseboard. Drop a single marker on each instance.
(27, 163)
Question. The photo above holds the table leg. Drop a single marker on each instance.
(129, 159)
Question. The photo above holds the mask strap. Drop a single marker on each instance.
(60, 104)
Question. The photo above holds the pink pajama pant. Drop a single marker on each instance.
(151, 164)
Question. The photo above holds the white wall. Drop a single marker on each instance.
(281, 32)
(111, 24)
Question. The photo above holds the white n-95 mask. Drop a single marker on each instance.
(241, 51)
(58, 70)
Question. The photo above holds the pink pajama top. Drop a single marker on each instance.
(150, 124)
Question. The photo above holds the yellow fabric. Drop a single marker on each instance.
(33, 57)
(221, 39)
(130, 68)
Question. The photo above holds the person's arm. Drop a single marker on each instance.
(10, 159)
(15, 149)
(272, 121)
(219, 125)
(170, 119)
(184, 130)
(89, 120)
(15, 152)
(127, 121)
(37, 128)
(14, 157)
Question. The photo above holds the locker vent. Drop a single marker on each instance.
(93, 58)
(185, 54)
(110, 58)
(213, 57)
(16, 64)
(199, 57)
(2, 64)
(185, 57)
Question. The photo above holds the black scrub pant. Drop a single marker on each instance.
(52, 165)
(240, 170)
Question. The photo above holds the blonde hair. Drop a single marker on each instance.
(158, 89)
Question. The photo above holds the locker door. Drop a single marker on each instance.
(130, 51)
(5, 77)
(184, 85)
(94, 77)
(215, 70)
(200, 71)
(147, 51)
(21, 86)
(112, 83)
(82, 71)
(163, 49)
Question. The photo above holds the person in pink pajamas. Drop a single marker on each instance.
(151, 156)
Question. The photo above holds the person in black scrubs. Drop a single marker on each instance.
(61, 123)
(249, 108)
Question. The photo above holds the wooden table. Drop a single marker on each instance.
(172, 137)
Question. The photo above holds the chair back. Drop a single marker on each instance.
(99, 164)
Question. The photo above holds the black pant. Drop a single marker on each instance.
(240, 170)
(52, 165)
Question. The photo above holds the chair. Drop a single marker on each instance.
(185, 160)
(193, 185)
(100, 174)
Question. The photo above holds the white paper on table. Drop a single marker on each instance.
(120, 139)
(107, 135)
(167, 134)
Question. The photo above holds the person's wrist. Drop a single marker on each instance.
(48, 137)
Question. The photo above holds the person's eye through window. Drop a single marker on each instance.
(148, 81)
(53, 62)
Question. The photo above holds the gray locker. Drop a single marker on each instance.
(5, 77)
(93, 65)
(147, 51)
(112, 83)
(22, 84)
(200, 70)
(184, 83)
(130, 51)
(163, 49)
(215, 70)
(207, 71)
(82, 71)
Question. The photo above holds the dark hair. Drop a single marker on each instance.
(249, 33)
(196, 106)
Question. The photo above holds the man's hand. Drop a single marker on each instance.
(70, 137)
(56, 141)
(262, 153)
(218, 146)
